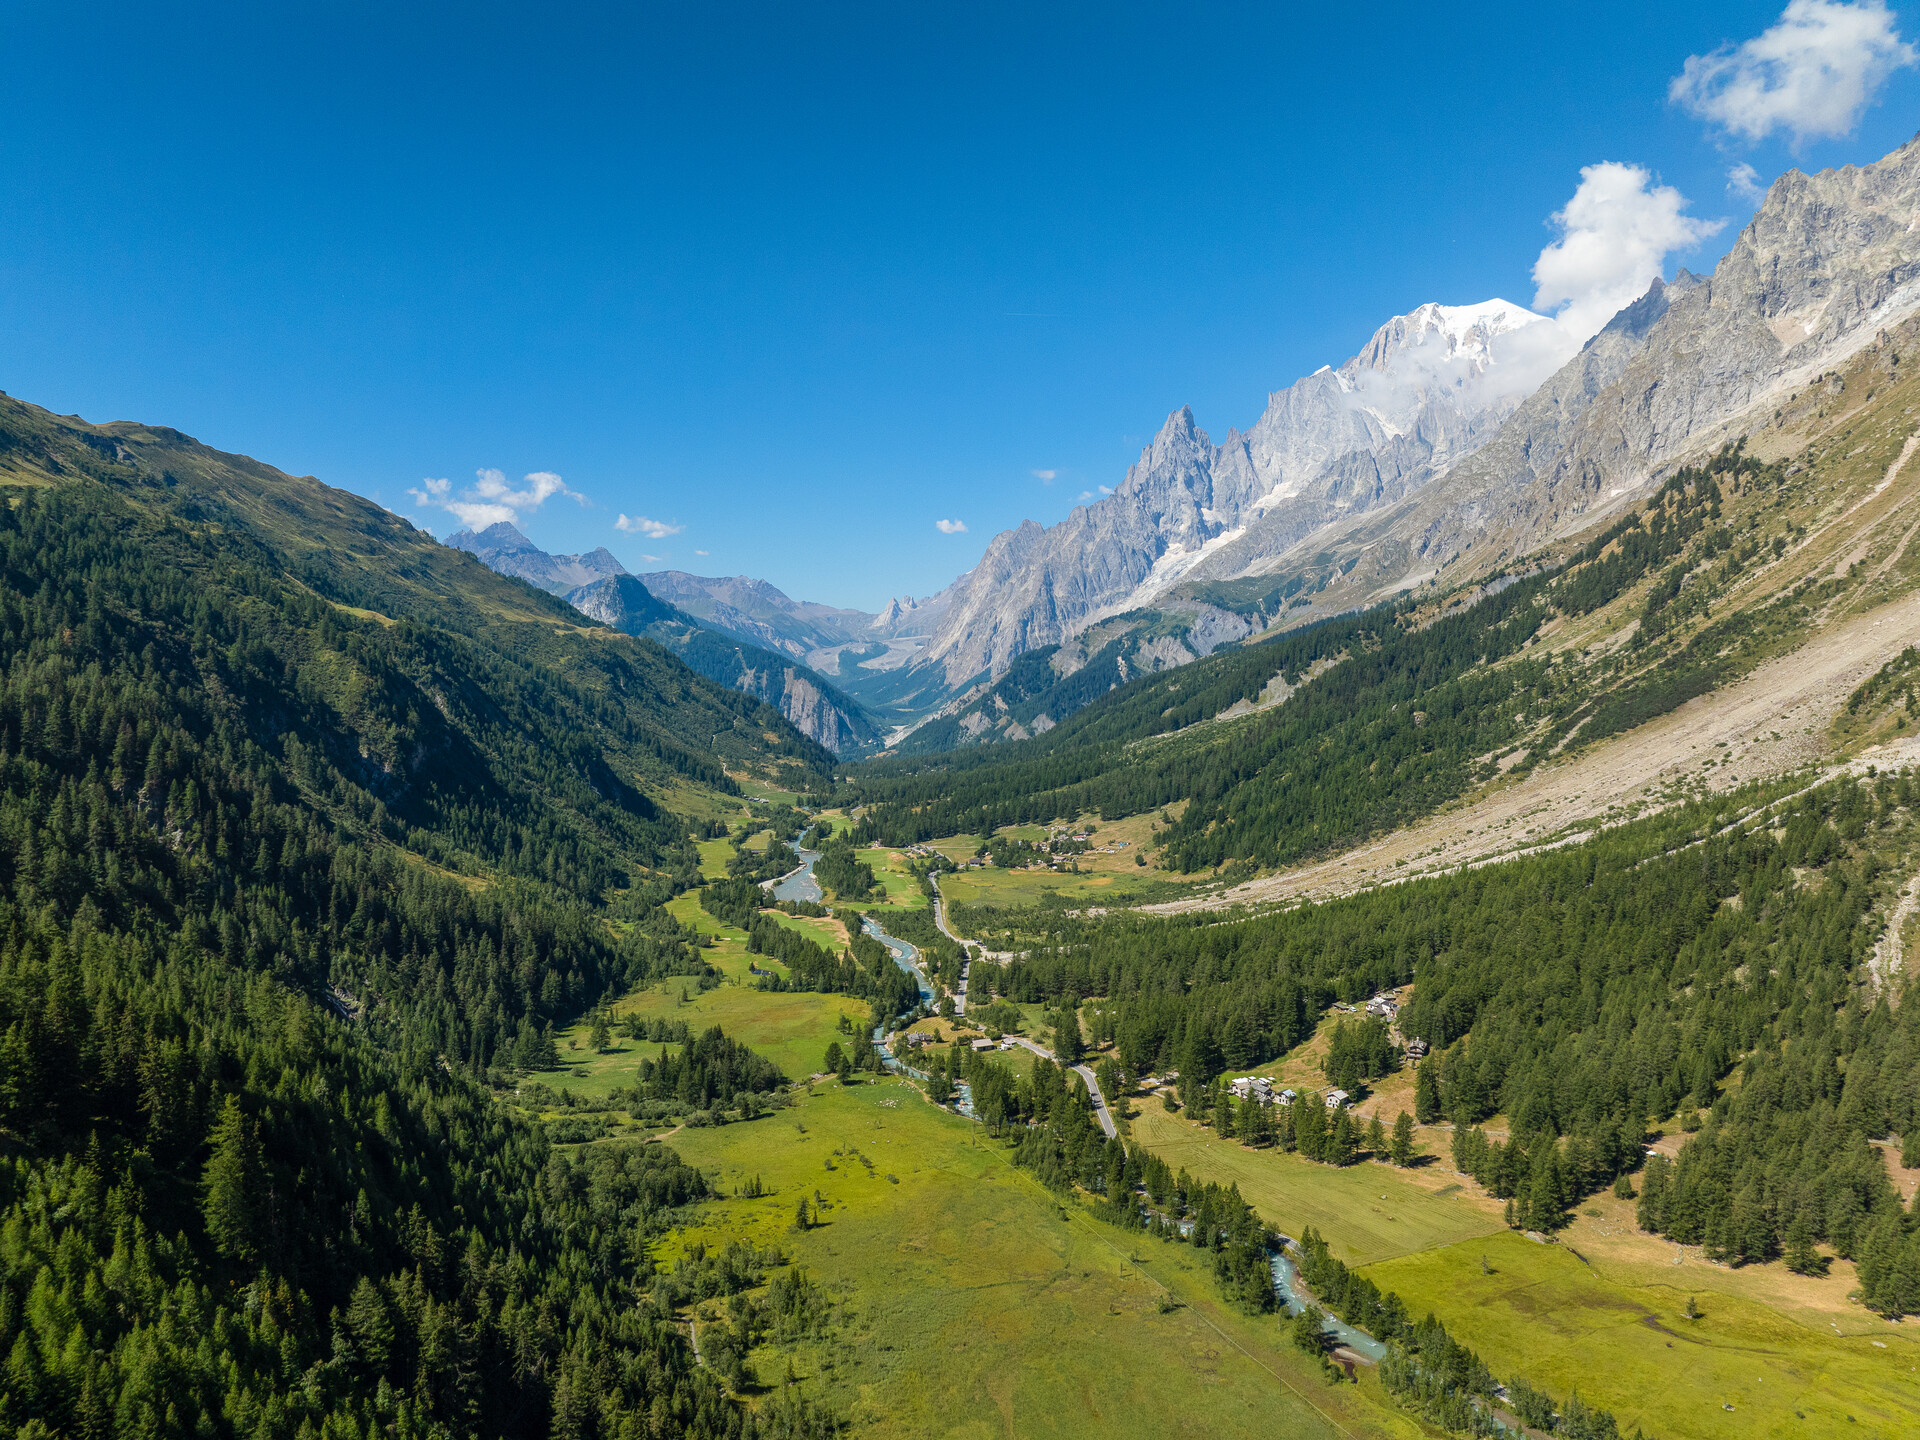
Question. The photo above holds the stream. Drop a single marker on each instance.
(801, 885)
(1285, 1282)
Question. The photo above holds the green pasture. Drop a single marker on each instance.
(890, 870)
(979, 1306)
(791, 1028)
(1368, 1212)
(1620, 1334)
(714, 855)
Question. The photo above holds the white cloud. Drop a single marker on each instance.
(700, 552)
(1106, 489)
(490, 500)
(1516, 363)
(1615, 235)
(1744, 181)
(641, 525)
(1811, 74)
(1045, 477)
(1086, 494)
(951, 527)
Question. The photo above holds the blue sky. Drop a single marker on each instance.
(795, 284)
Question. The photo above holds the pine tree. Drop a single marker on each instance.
(370, 1325)
(1802, 1256)
(1342, 1144)
(600, 1036)
(1309, 1125)
(1426, 1092)
(1223, 1112)
(1376, 1137)
(1403, 1140)
(1067, 1046)
(230, 1185)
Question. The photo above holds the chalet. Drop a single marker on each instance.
(1337, 1099)
(1416, 1049)
(1286, 1097)
(1252, 1087)
(983, 1043)
(1384, 1006)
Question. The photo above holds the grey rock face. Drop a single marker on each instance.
(505, 549)
(1428, 388)
(1829, 261)
(812, 706)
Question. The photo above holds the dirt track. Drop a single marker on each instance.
(1772, 722)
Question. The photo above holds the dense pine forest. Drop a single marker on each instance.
(288, 869)
(1684, 966)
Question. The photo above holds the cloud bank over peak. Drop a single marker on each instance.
(490, 500)
(1615, 235)
(1809, 75)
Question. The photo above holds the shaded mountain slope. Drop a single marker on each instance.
(809, 703)
(311, 831)
(660, 721)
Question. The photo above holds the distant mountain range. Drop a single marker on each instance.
(598, 585)
(1457, 438)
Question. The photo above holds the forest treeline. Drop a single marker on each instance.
(1585, 995)
(281, 885)
(1400, 723)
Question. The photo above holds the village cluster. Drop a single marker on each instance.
(1259, 1088)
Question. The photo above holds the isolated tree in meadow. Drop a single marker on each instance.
(803, 1215)
(600, 1034)
(1246, 1124)
(836, 1058)
(230, 1185)
(1403, 1140)
(1802, 1257)
(1426, 1092)
(1223, 1112)
(1263, 1127)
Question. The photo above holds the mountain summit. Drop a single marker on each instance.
(1428, 388)
(505, 549)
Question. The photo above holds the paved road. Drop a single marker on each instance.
(1085, 1072)
(966, 965)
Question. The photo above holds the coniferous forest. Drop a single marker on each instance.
(288, 870)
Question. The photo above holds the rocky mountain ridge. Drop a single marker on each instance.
(1828, 263)
(599, 587)
(505, 549)
(812, 706)
(1428, 388)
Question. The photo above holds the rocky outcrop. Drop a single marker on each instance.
(814, 707)
(1828, 262)
(1429, 387)
(505, 549)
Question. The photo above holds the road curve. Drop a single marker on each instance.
(1085, 1072)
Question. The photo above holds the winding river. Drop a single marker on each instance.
(800, 884)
